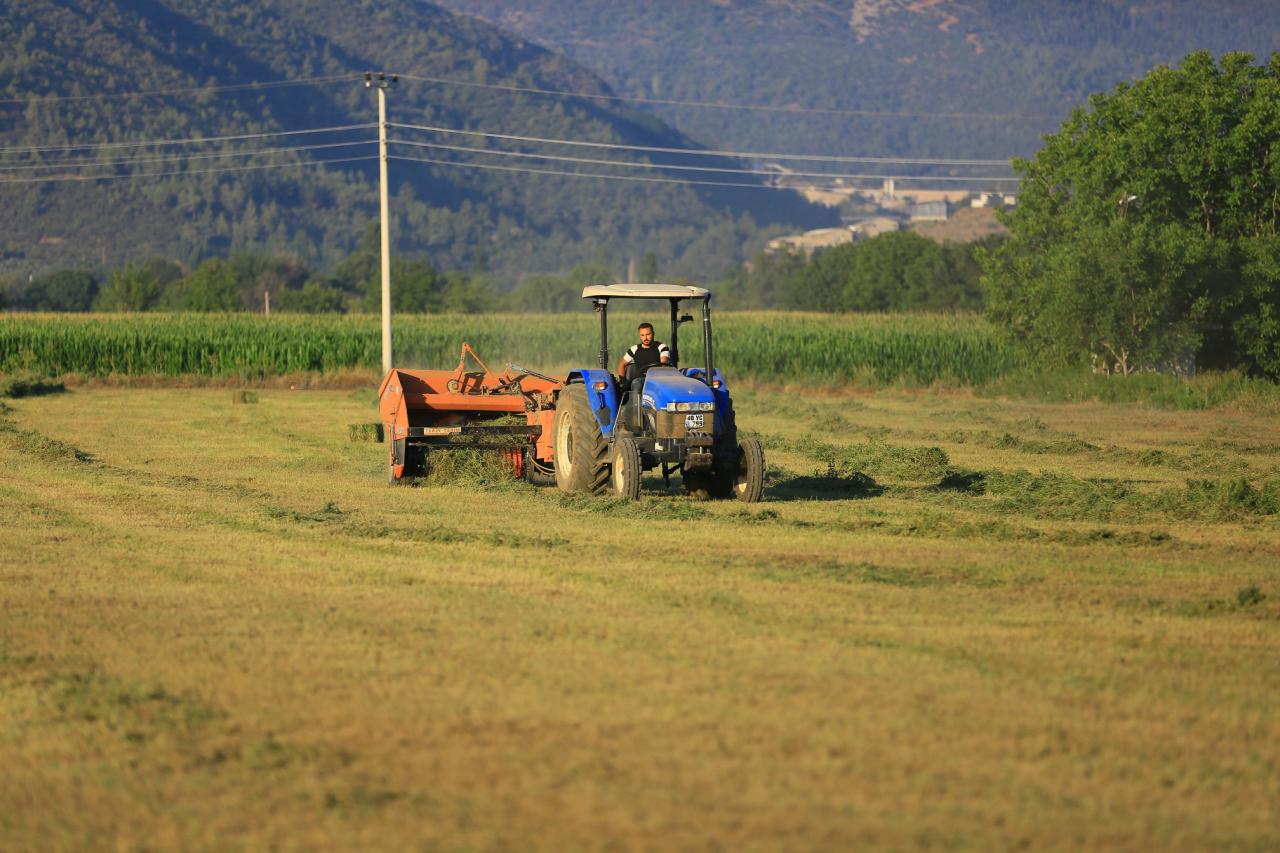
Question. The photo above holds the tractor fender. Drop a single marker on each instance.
(602, 393)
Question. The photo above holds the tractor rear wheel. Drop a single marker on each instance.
(626, 471)
(581, 453)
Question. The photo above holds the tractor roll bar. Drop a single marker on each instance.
(602, 308)
(674, 346)
(706, 333)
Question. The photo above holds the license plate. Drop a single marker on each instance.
(693, 421)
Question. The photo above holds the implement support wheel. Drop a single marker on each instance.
(624, 478)
(396, 459)
(581, 452)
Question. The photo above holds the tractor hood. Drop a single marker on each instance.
(664, 385)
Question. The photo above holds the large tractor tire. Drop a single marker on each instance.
(581, 452)
(625, 473)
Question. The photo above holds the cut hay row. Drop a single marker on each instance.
(913, 349)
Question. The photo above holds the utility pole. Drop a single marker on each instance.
(382, 83)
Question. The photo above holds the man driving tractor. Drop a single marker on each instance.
(648, 353)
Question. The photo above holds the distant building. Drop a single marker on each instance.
(864, 228)
(822, 238)
(929, 211)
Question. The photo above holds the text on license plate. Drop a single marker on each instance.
(693, 421)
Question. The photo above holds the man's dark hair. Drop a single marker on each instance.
(643, 326)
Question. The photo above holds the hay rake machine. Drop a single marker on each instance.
(432, 411)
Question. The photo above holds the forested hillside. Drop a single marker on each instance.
(88, 59)
(926, 78)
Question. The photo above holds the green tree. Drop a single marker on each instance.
(212, 287)
(764, 282)
(364, 265)
(648, 270)
(258, 274)
(63, 290)
(1146, 227)
(129, 288)
(415, 287)
(164, 271)
(464, 294)
(556, 294)
(314, 297)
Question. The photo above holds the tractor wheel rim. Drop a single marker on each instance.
(564, 447)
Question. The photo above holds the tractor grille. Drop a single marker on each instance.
(672, 424)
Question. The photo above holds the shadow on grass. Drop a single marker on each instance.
(834, 484)
(29, 386)
(970, 482)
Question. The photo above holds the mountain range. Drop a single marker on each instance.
(135, 77)
(902, 78)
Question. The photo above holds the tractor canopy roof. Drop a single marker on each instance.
(644, 291)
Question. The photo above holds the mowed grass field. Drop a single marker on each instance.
(953, 622)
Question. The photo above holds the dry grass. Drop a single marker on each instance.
(221, 629)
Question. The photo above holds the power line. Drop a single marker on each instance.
(645, 165)
(90, 162)
(697, 152)
(648, 180)
(132, 175)
(722, 105)
(96, 146)
(237, 87)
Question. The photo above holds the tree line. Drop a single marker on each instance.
(897, 271)
(892, 272)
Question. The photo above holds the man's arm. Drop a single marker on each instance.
(664, 355)
(626, 359)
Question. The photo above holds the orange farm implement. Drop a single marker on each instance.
(430, 411)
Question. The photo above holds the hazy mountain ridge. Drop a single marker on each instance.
(924, 78)
(458, 218)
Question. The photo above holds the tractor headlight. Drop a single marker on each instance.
(691, 407)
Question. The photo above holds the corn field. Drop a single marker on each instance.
(910, 349)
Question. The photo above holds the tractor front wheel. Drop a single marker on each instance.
(581, 453)
(740, 475)
(626, 473)
(748, 484)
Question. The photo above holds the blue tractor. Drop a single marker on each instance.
(609, 430)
